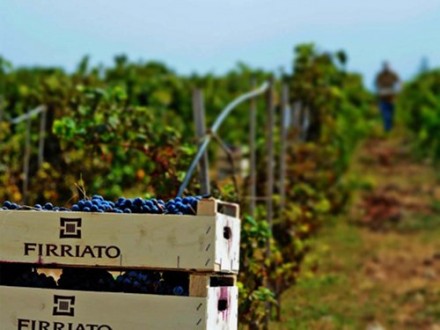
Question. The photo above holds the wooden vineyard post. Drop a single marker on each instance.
(296, 117)
(200, 125)
(270, 177)
(305, 122)
(284, 109)
(2, 102)
(42, 137)
(252, 151)
(270, 154)
(26, 160)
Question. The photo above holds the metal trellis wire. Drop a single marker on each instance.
(207, 138)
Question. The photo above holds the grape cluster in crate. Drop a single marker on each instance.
(178, 205)
(92, 279)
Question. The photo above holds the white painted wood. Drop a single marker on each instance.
(117, 311)
(228, 318)
(227, 249)
(144, 240)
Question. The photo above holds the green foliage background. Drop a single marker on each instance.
(419, 109)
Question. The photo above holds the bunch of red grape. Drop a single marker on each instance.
(88, 279)
(168, 283)
(24, 275)
(91, 279)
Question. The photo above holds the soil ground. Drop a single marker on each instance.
(379, 266)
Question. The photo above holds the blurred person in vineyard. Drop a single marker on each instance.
(387, 83)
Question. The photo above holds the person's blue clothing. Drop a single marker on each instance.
(387, 110)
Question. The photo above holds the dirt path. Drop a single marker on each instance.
(379, 268)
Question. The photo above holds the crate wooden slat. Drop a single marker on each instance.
(207, 242)
(200, 283)
(55, 309)
(212, 206)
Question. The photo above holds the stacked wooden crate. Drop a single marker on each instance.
(205, 245)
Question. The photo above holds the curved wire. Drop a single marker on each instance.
(28, 114)
(207, 138)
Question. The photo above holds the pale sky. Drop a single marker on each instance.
(207, 35)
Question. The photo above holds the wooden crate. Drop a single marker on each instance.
(207, 242)
(207, 307)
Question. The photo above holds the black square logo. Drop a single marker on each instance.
(64, 305)
(70, 228)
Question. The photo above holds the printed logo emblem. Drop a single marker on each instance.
(70, 228)
(64, 305)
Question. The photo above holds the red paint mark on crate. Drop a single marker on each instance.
(224, 301)
(228, 224)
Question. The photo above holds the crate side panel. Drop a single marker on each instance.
(111, 240)
(118, 311)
